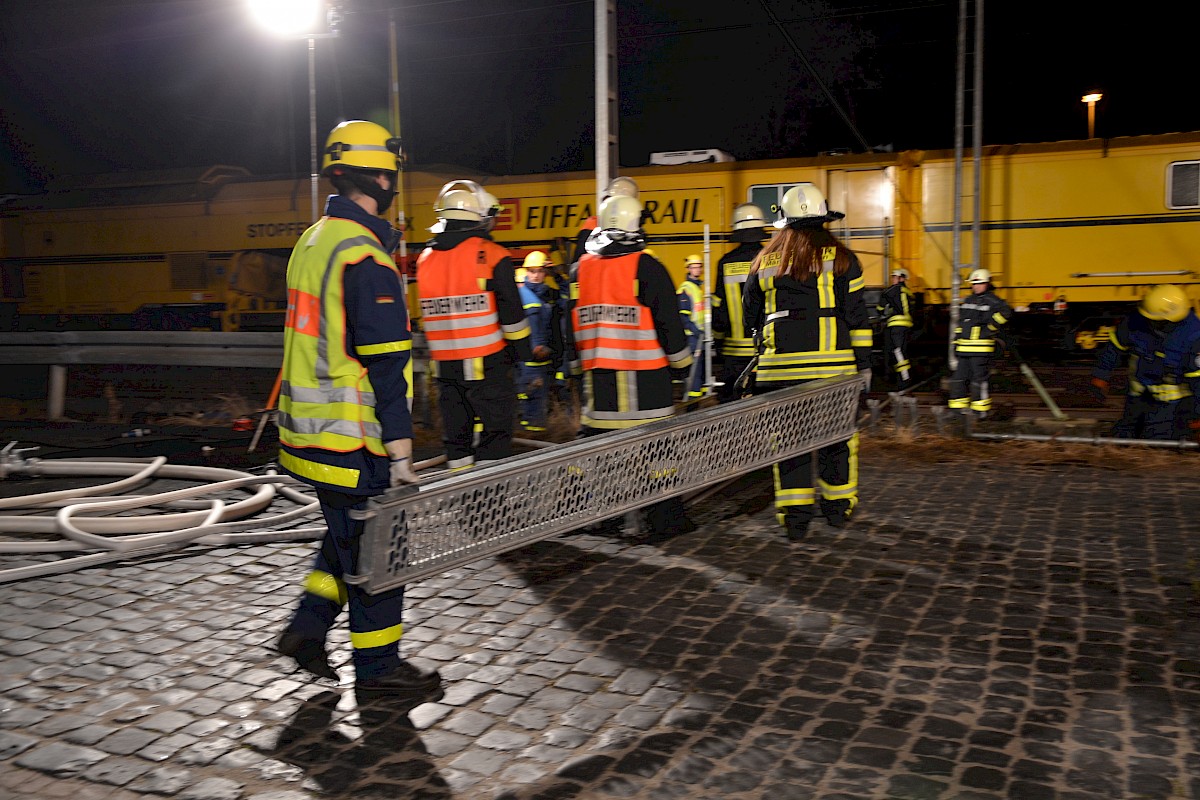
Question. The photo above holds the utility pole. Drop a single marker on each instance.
(607, 122)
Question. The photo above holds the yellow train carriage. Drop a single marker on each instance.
(174, 251)
(1083, 222)
(1074, 232)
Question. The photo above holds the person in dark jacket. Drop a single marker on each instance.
(896, 307)
(474, 325)
(539, 302)
(1161, 341)
(344, 421)
(804, 295)
(626, 338)
(736, 339)
(981, 318)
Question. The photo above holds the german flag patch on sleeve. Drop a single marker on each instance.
(384, 298)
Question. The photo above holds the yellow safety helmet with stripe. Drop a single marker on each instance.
(1166, 302)
(361, 145)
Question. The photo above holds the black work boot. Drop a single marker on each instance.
(309, 654)
(797, 526)
(407, 686)
(837, 513)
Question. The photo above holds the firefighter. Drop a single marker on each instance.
(538, 299)
(737, 343)
(344, 421)
(980, 320)
(896, 307)
(693, 306)
(1162, 342)
(474, 325)
(804, 296)
(626, 337)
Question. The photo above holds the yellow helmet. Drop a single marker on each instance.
(535, 260)
(980, 275)
(693, 259)
(804, 203)
(748, 215)
(362, 145)
(621, 186)
(1166, 302)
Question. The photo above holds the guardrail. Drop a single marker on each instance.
(198, 349)
(183, 348)
(419, 531)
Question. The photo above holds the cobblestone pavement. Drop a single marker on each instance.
(979, 631)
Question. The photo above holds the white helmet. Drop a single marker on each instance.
(620, 212)
(491, 208)
(621, 186)
(465, 201)
(980, 275)
(900, 272)
(748, 215)
(804, 203)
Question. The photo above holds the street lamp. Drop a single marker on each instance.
(1091, 99)
(300, 19)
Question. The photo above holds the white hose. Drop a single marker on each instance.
(214, 523)
(217, 524)
(50, 497)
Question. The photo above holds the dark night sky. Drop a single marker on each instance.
(101, 85)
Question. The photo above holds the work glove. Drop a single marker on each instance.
(1098, 388)
(535, 383)
(400, 471)
(541, 353)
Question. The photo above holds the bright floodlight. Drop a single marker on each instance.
(287, 17)
(1094, 97)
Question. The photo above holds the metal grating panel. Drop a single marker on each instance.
(415, 532)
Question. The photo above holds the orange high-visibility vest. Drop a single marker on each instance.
(457, 313)
(612, 329)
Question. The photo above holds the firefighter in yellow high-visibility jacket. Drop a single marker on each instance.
(344, 420)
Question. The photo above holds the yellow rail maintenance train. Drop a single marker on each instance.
(1073, 232)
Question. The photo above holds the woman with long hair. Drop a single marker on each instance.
(804, 298)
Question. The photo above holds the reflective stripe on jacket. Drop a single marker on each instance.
(731, 281)
(612, 329)
(325, 397)
(458, 312)
(980, 316)
(811, 328)
(895, 304)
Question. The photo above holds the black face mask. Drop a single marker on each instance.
(382, 197)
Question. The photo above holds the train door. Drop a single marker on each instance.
(866, 196)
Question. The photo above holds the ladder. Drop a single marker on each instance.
(415, 532)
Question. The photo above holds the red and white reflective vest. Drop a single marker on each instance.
(458, 313)
(612, 329)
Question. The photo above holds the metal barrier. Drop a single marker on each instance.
(186, 348)
(179, 348)
(418, 531)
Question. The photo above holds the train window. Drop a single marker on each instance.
(768, 198)
(1183, 184)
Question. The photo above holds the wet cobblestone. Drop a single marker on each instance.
(977, 632)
